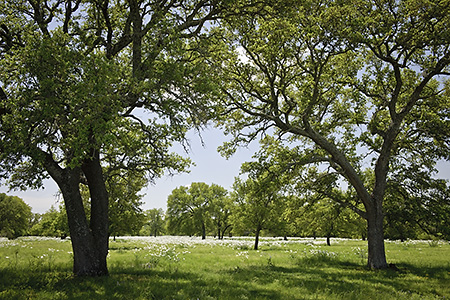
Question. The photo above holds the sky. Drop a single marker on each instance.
(209, 167)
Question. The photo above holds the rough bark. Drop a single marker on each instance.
(99, 209)
(87, 259)
(375, 237)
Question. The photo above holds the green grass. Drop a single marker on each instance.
(184, 268)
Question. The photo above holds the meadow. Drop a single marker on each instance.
(191, 268)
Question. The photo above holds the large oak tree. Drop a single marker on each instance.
(355, 83)
(88, 84)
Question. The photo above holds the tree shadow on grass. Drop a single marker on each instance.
(137, 284)
(302, 280)
(142, 284)
(437, 272)
(341, 280)
(306, 279)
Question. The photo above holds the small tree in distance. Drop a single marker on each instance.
(189, 208)
(51, 223)
(258, 200)
(154, 222)
(15, 216)
(221, 211)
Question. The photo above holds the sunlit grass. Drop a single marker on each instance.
(189, 268)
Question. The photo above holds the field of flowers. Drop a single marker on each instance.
(172, 267)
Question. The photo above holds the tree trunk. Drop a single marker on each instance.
(203, 231)
(224, 230)
(92, 169)
(85, 255)
(375, 238)
(328, 240)
(372, 203)
(258, 231)
(89, 255)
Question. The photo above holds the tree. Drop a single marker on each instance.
(15, 216)
(355, 83)
(327, 218)
(417, 204)
(220, 210)
(76, 79)
(126, 216)
(189, 208)
(253, 210)
(52, 223)
(257, 199)
(154, 222)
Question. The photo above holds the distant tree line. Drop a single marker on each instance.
(16, 219)
(261, 205)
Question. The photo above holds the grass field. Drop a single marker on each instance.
(189, 268)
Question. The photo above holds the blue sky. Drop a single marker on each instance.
(210, 168)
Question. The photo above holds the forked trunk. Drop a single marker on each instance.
(375, 238)
(89, 242)
(86, 258)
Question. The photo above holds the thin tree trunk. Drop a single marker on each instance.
(224, 230)
(203, 231)
(258, 231)
(330, 231)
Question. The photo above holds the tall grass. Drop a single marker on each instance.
(189, 268)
